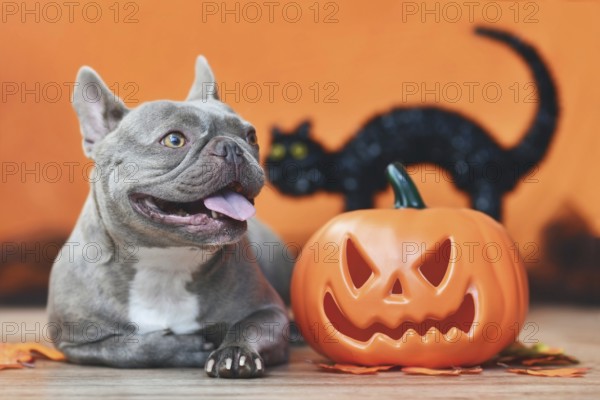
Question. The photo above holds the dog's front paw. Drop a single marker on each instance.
(234, 362)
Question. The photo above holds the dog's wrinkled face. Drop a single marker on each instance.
(171, 172)
(187, 169)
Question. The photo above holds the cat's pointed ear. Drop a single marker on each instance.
(304, 129)
(99, 110)
(205, 86)
(276, 132)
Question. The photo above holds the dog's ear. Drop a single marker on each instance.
(99, 110)
(204, 86)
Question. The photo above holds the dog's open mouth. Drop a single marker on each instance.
(226, 205)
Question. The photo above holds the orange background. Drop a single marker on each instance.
(368, 54)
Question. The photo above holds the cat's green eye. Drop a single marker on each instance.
(277, 152)
(173, 140)
(299, 150)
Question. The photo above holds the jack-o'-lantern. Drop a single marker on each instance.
(432, 287)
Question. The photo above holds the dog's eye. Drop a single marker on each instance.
(251, 138)
(173, 140)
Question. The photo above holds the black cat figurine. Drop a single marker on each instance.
(298, 165)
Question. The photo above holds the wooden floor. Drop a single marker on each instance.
(577, 330)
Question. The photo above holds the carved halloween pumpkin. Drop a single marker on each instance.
(412, 286)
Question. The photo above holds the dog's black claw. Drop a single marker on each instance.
(234, 362)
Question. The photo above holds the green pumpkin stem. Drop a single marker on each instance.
(405, 191)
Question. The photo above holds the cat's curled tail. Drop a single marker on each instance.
(534, 144)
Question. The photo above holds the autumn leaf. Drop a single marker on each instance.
(430, 371)
(16, 355)
(441, 372)
(354, 369)
(13, 359)
(552, 372)
(550, 360)
(538, 354)
(48, 352)
(471, 371)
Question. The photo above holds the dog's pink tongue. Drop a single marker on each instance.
(232, 204)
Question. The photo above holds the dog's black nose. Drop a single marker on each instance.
(229, 150)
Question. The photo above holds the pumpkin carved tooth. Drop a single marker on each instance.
(433, 331)
(410, 333)
(452, 335)
(432, 335)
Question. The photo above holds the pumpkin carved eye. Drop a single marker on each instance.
(436, 262)
(358, 267)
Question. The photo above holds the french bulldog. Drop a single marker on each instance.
(166, 266)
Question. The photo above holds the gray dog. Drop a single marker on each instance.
(165, 267)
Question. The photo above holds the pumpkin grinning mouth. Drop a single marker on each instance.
(462, 319)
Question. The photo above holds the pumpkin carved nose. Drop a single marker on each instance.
(397, 288)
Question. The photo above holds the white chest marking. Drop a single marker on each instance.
(158, 298)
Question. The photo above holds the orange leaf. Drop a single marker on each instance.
(10, 366)
(471, 371)
(13, 358)
(14, 355)
(48, 352)
(441, 372)
(554, 372)
(354, 369)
